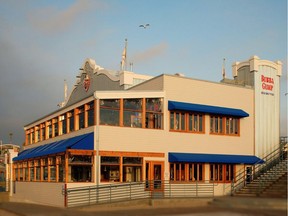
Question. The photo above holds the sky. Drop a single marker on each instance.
(44, 42)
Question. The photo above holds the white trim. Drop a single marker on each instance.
(128, 94)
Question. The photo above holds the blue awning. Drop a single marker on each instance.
(213, 158)
(83, 142)
(174, 105)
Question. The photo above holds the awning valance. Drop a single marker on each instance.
(213, 158)
(83, 142)
(174, 105)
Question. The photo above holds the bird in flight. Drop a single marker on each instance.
(144, 26)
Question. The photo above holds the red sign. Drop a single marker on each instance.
(267, 83)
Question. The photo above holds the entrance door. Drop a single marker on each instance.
(154, 175)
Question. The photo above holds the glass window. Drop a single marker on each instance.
(37, 170)
(81, 117)
(221, 172)
(49, 129)
(132, 173)
(56, 128)
(154, 115)
(232, 125)
(186, 171)
(216, 124)
(177, 121)
(71, 120)
(110, 169)
(81, 173)
(154, 104)
(31, 167)
(90, 113)
(110, 112)
(32, 136)
(80, 168)
(61, 164)
(43, 132)
(63, 123)
(132, 116)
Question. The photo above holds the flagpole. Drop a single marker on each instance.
(124, 54)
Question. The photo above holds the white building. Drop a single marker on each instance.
(124, 127)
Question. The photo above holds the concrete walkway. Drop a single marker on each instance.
(230, 206)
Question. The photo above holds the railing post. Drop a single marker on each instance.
(110, 193)
(130, 191)
(64, 192)
(196, 188)
(89, 194)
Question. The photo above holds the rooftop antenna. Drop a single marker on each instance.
(11, 135)
(223, 69)
(124, 55)
(131, 66)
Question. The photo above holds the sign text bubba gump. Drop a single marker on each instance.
(267, 83)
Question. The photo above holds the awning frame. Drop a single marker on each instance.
(201, 108)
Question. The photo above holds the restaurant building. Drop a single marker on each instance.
(118, 127)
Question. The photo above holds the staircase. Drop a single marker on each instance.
(272, 183)
(269, 179)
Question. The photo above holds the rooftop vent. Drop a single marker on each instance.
(179, 74)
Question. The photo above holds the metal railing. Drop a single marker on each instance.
(82, 196)
(260, 170)
(4, 186)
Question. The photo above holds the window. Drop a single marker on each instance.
(216, 124)
(80, 168)
(154, 116)
(110, 112)
(186, 122)
(110, 169)
(31, 169)
(52, 167)
(37, 165)
(42, 132)
(49, 129)
(61, 168)
(221, 172)
(55, 127)
(81, 117)
(224, 125)
(232, 125)
(177, 121)
(63, 122)
(132, 116)
(71, 120)
(186, 172)
(37, 134)
(90, 110)
(195, 122)
(132, 169)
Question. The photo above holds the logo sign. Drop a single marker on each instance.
(86, 83)
(267, 85)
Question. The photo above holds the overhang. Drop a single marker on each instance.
(201, 108)
(83, 142)
(213, 158)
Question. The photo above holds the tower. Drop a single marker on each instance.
(264, 77)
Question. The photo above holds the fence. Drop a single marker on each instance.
(135, 190)
(4, 186)
(272, 159)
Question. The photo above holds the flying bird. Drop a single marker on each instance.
(144, 26)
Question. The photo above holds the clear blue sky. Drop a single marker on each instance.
(43, 42)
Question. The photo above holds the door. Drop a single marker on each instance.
(154, 175)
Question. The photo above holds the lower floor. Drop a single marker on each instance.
(86, 166)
